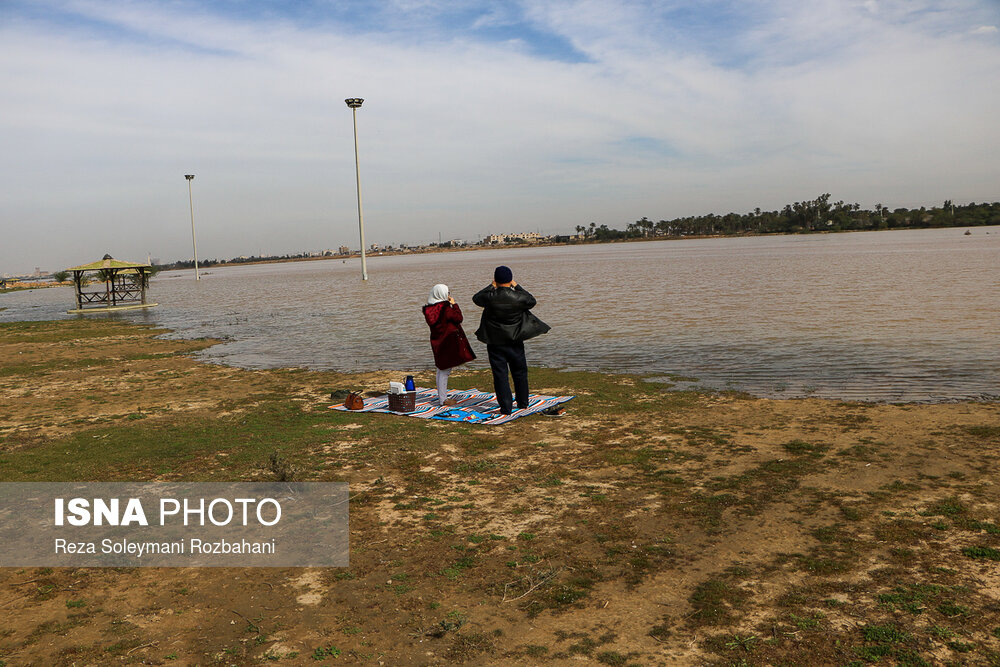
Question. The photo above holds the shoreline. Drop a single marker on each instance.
(521, 246)
(673, 381)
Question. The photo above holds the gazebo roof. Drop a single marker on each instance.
(108, 263)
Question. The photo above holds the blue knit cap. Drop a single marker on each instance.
(502, 274)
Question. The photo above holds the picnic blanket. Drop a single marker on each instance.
(472, 407)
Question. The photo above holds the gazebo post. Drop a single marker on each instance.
(142, 284)
(78, 279)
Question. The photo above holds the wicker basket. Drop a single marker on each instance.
(405, 402)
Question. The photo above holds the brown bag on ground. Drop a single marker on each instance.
(354, 402)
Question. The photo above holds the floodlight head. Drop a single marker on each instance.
(190, 177)
(354, 102)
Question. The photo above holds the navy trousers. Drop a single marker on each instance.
(501, 358)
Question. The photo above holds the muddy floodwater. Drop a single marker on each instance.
(887, 316)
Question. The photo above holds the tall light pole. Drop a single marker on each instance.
(355, 103)
(194, 241)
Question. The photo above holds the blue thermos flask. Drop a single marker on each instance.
(409, 383)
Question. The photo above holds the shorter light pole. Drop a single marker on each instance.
(355, 103)
(194, 241)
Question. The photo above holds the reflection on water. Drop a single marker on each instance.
(893, 316)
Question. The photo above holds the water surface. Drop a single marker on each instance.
(896, 316)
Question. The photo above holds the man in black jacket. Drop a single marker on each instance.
(502, 328)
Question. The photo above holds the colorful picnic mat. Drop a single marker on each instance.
(472, 407)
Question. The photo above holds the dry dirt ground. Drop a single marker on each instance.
(645, 527)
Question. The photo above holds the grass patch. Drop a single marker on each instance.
(947, 507)
(884, 634)
(982, 553)
(952, 610)
(714, 601)
(803, 448)
(987, 432)
(324, 652)
(912, 598)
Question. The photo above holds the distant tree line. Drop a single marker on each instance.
(202, 263)
(818, 215)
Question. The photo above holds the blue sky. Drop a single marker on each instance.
(479, 117)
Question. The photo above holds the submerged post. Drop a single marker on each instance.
(194, 241)
(354, 103)
(78, 281)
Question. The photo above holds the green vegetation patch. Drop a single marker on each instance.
(947, 507)
(884, 633)
(324, 652)
(58, 331)
(982, 553)
(771, 480)
(714, 602)
(913, 598)
(986, 432)
(803, 448)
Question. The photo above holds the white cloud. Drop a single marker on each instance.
(985, 30)
(465, 137)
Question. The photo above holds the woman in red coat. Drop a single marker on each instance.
(451, 347)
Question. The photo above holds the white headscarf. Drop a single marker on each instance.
(439, 293)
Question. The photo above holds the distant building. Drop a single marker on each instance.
(343, 250)
(525, 237)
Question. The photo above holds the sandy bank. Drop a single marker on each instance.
(646, 527)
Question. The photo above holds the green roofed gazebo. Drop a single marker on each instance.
(125, 286)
